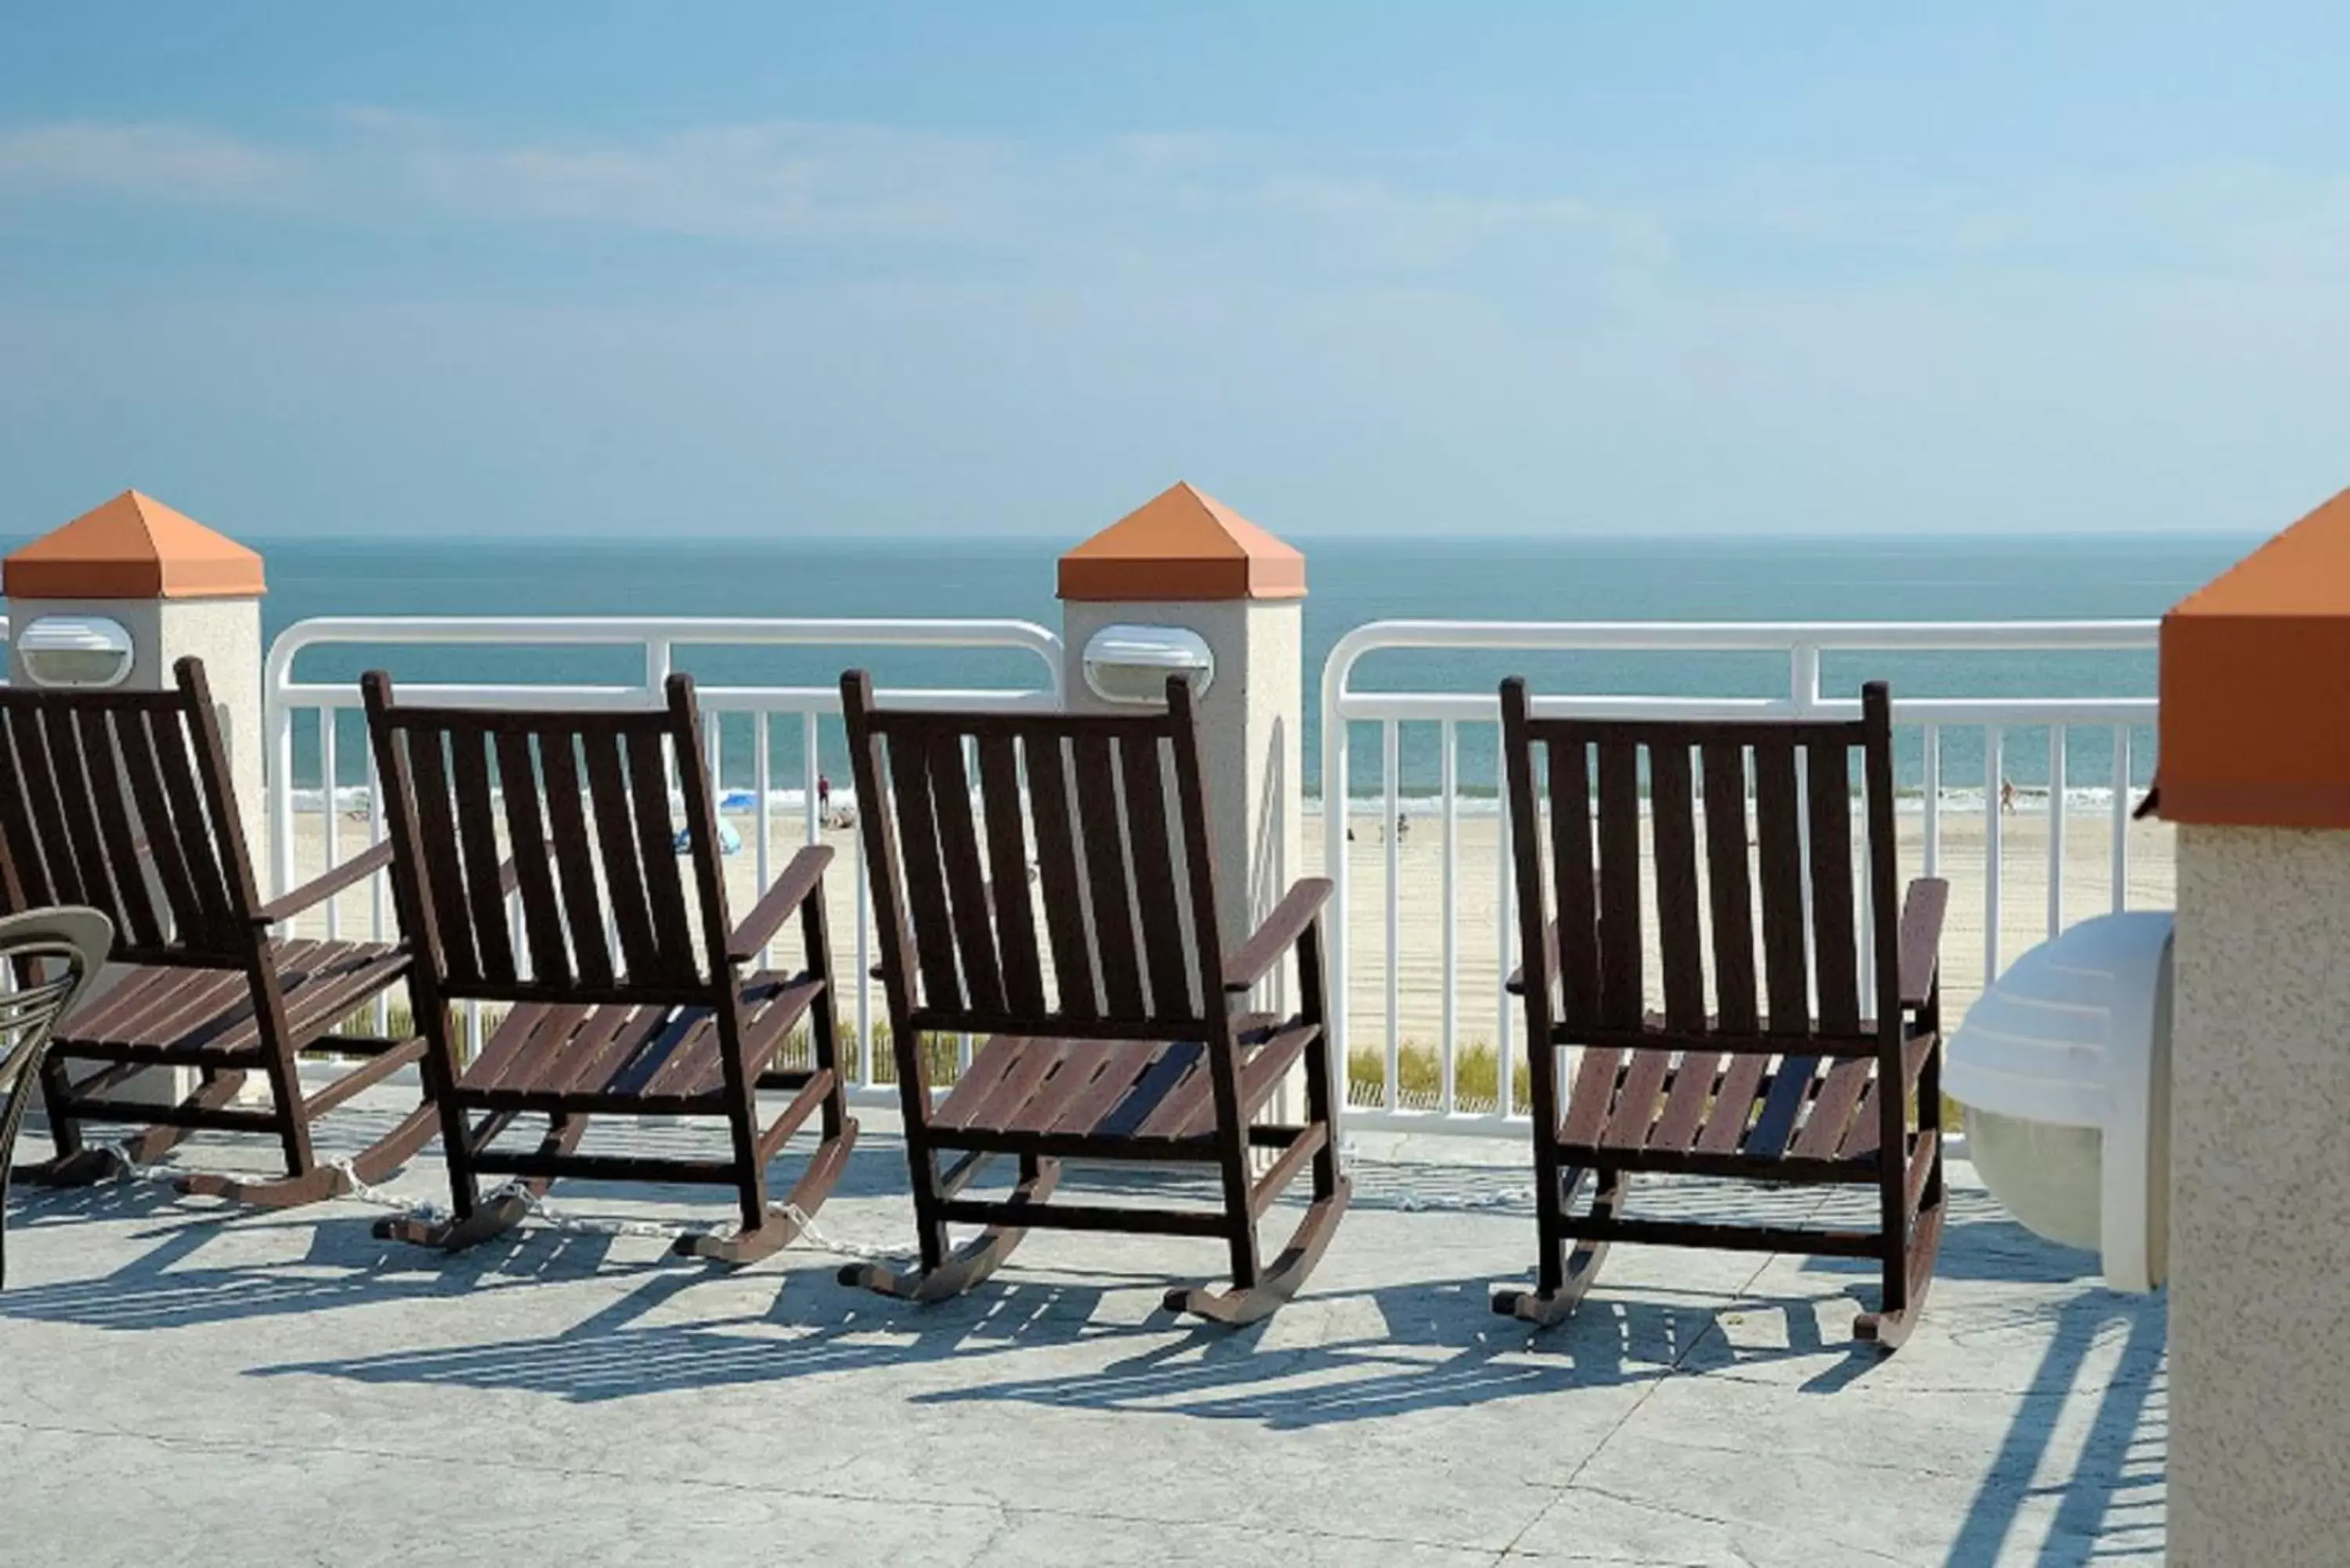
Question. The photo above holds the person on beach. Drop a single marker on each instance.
(2006, 798)
(824, 800)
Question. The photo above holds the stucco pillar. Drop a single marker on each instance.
(1186, 560)
(2255, 768)
(179, 589)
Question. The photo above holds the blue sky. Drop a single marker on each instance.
(713, 269)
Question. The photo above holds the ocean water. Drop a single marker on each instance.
(1351, 581)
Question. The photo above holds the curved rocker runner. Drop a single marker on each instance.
(1109, 1007)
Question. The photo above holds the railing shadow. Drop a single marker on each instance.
(2112, 1504)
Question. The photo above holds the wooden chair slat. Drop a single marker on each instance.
(145, 776)
(1683, 1117)
(1835, 956)
(925, 870)
(1106, 839)
(1177, 1092)
(1153, 851)
(1000, 1058)
(1058, 879)
(673, 923)
(616, 847)
(20, 844)
(1680, 933)
(1791, 1084)
(46, 786)
(975, 929)
(443, 868)
(78, 795)
(1733, 1105)
(173, 744)
(1779, 862)
(542, 917)
(111, 799)
(1831, 1116)
(1570, 830)
(477, 847)
(1592, 1100)
(1730, 890)
(575, 858)
(1102, 1080)
(1638, 1101)
(1007, 863)
(1049, 1100)
(596, 1043)
(1622, 986)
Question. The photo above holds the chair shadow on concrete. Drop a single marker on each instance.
(1431, 1343)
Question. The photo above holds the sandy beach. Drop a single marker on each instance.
(1420, 936)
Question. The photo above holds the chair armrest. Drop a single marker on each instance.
(802, 880)
(1517, 983)
(1279, 932)
(1922, 908)
(357, 869)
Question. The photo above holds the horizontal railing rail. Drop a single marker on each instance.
(726, 709)
(1802, 645)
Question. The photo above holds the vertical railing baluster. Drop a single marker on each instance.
(1390, 748)
(1337, 856)
(2055, 829)
(762, 839)
(376, 888)
(2121, 816)
(1994, 775)
(1450, 786)
(811, 778)
(1933, 802)
(333, 823)
(864, 951)
(1504, 932)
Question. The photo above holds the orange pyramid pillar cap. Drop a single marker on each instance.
(132, 547)
(2255, 713)
(1182, 545)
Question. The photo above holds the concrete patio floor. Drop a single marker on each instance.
(181, 1384)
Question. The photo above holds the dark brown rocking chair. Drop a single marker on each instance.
(1137, 1052)
(1760, 1083)
(623, 985)
(120, 801)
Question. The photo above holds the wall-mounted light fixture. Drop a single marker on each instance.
(76, 650)
(2063, 1068)
(1131, 663)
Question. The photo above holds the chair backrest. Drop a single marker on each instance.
(120, 801)
(582, 802)
(1788, 889)
(1116, 936)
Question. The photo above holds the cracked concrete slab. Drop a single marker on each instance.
(284, 1388)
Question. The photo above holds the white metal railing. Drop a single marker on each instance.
(1801, 644)
(286, 698)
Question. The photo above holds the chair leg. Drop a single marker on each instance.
(955, 1273)
(1572, 1264)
